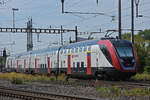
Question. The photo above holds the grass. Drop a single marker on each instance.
(20, 77)
(16, 80)
(138, 92)
(111, 91)
(114, 91)
(141, 77)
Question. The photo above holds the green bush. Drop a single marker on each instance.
(147, 69)
(52, 79)
(141, 77)
(16, 80)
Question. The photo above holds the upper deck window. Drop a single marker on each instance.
(80, 50)
(76, 50)
(68, 50)
(65, 50)
(85, 48)
(72, 50)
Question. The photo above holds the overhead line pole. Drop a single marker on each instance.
(14, 9)
(132, 21)
(62, 1)
(76, 33)
(29, 35)
(61, 35)
(119, 15)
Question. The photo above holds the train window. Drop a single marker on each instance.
(89, 48)
(76, 50)
(45, 66)
(72, 50)
(82, 64)
(19, 66)
(68, 50)
(64, 62)
(64, 51)
(106, 53)
(85, 48)
(61, 64)
(38, 65)
(78, 65)
(80, 50)
(74, 65)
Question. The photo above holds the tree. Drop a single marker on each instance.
(145, 34)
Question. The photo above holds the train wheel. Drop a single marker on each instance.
(67, 77)
(125, 78)
(107, 77)
(99, 76)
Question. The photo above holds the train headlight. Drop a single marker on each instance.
(121, 60)
(133, 60)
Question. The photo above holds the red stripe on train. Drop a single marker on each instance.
(69, 65)
(113, 54)
(88, 63)
(48, 65)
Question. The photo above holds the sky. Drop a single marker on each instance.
(46, 13)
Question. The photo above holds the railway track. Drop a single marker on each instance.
(21, 92)
(125, 84)
(92, 83)
(34, 95)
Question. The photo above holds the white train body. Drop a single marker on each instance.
(90, 58)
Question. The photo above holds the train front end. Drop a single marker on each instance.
(123, 56)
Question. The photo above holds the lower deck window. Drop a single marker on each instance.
(73, 65)
(78, 64)
(82, 64)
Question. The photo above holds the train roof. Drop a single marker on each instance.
(42, 51)
(73, 45)
(81, 44)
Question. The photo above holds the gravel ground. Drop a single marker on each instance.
(8, 98)
(63, 89)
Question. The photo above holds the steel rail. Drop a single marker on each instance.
(35, 95)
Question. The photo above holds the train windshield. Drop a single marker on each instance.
(124, 51)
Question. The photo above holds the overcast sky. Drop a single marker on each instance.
(48, 12)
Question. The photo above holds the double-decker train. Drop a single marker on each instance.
(104, 58)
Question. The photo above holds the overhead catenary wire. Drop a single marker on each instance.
(82, 19)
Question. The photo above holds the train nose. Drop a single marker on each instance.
(128, 62)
